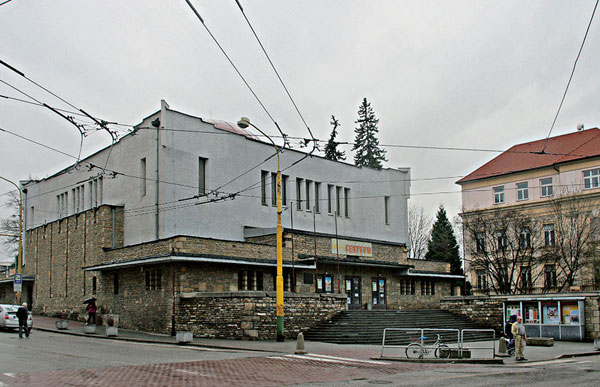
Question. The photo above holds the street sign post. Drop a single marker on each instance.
(18, 282)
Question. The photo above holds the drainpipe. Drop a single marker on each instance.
(156, 124)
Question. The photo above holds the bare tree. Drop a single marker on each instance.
(419, 231)
(504, 247)
(575, 240)
(10, 225)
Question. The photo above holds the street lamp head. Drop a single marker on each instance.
(244, 122)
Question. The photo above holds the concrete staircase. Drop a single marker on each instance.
(366, 327)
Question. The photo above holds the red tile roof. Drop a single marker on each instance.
(560, 149)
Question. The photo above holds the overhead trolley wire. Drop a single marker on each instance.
(571, 76)
(234, 66)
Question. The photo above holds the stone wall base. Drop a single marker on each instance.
(251, 315)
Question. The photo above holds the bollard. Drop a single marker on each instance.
(300, 345)
(502, 347)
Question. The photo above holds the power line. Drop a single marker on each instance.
(234, 66)
(571, 76)
(277, 73)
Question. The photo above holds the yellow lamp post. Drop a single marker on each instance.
(244, 123)
(20, 253)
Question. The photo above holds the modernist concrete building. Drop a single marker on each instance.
(531, 231)
(174, 227)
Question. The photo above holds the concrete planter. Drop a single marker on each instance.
(184, 337)
(62, 324)
(89, 328)
(112, 331)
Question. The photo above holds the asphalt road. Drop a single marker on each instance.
(52, 351)
(52, 359)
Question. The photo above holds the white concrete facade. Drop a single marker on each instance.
(233, 164)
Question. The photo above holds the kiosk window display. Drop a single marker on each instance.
(558, 317)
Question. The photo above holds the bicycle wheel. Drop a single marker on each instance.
(414, 351)
(442, 352)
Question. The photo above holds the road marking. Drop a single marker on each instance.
(332, 359)
(536, 363)
(350, 359)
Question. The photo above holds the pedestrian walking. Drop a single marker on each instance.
(91, 309)
(518, 331)
(23, 315)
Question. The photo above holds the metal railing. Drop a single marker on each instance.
(421, 338)
(460, 338)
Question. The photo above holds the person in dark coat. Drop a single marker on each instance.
(22, 315)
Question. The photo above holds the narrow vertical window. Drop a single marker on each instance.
(264, 175)
(116, 283)
(284, 182)
(73, 201)
(338, 200)
(143, 177)
(91, 191)
(317, 196)
(274, 189)
(386, 209)
(299, 194)
(347, 202)
(308, 187)
(329, 198)
(58, 206)
(94, 285)
(32, 220)
(201, 176)
(100, 189)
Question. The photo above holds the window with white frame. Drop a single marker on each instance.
(549, 235)
(274, 189)
(591, 178)
(347, 202)
(481, 280)
(523, 191)
(317, 196)
(499, 194)
(480, 242)
(264, 175)
(308, 187)
(143, 177)
(329, 198)
(299, 194)
(546, 187)
(525, 238)
(502, 241)
(201, 176)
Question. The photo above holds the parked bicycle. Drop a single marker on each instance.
(420, 350)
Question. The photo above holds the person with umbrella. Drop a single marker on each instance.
(91, 309)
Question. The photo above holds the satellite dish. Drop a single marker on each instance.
(580, 127)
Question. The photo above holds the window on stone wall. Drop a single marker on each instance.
(324, 283)
(250, 280)
(153, 279)
(482, 280)
(116, 283)
(94, 284)
(408, 287)
(427, 288)
(289, 281)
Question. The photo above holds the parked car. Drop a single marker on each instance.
(8, 317)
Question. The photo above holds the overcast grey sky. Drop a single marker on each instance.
(469, 74)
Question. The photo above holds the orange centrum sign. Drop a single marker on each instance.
(361, 249)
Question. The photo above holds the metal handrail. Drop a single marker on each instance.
(462, 340)
(421, 335)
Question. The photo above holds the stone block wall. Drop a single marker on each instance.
(58, 251)
(251, 315)
(484, 310)
(592, 317)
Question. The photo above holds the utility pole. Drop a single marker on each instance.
(244, 123)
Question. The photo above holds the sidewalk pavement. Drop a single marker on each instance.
(560, 349)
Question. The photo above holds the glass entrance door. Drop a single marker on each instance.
(353, 292)
(378, 293)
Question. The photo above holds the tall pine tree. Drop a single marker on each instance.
(366, 143)
(331, 151)
(443, 245)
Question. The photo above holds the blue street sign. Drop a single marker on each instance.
(18, 280)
